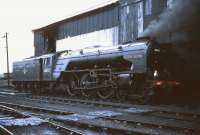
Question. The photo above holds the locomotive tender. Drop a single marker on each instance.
(134, 69)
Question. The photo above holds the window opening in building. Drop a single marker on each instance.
(170, 3)
(140, 18)
(148, 7)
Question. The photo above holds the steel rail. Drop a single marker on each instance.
(36, 108)
(151, 125)
(137, 129)
(5, 131)
(116, 105)
(57, 125)
(14, 111)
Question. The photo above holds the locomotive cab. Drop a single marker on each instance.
(46, 66)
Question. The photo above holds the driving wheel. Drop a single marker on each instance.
(87, 83)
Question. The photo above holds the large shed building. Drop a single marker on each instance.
(114, 22)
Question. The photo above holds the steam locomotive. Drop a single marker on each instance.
(140, 70)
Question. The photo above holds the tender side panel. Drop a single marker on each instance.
(27, 70)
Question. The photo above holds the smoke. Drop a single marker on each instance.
(181, 22)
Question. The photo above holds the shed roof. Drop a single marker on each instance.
(80, 14)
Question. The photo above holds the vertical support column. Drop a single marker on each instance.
(8, 72)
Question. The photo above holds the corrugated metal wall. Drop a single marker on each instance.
(131, 20)
(39, 43)
(121, 23)
(153, 9)
(44, 42)
(88, 24)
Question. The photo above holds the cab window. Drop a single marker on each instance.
(47, 61)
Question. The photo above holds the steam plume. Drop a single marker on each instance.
(179, 23)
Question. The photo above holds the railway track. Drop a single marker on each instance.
(115, 118)
(106, 124)
(135, 121)
(13, 121)
(88, 128)
(162, 110)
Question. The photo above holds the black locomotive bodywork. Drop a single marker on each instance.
(136, 68)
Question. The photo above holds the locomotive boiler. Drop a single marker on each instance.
(137, 70)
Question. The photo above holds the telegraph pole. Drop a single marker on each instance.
(8, 72)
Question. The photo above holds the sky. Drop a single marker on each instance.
(20, 17)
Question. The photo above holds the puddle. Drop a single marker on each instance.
(104, 113)
(88, 116)
(7, 93)
(22, 121)
(75, 117)
(42, 129)
(136, 110)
